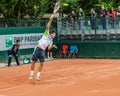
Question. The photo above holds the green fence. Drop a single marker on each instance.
(89, 35)
(96, 50)
(87, 29)
(4, 23)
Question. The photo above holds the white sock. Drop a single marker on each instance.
(31, 72)
(38, 74)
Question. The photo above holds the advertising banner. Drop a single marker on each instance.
(26, 40)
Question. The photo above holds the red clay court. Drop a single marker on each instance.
(64, 77)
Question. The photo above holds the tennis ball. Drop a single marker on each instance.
(65, 4)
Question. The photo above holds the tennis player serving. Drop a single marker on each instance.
(43, 43)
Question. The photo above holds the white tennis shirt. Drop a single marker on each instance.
(45, 41)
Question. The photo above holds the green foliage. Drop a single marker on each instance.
(20, 8)
(108, 3)
(36, 8)
(86, 5)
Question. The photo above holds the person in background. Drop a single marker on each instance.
(103, 14)
(73, 51)
(50, 52)
(64, 51)
(118, 15)
(81, 13)
(118, 12)
(14, 51)
(72, 18)
(80, 17)
(112, 15)
(92, 16)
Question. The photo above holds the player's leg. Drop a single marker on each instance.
(9, 58)
(41, 58)
(32, 69)
(40, 68)
(34, 60)
(33, 65)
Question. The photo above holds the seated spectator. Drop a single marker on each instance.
(73, 51)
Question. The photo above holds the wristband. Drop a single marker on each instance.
(52, 15)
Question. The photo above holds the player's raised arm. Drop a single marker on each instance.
(49, 23)
(56, 8)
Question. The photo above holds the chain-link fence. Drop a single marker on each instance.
(25, 22)
(88, 29)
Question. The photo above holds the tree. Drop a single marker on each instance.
(86, 5)
(36, 8)
(19, 8)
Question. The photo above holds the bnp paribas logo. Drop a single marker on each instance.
(9, 42)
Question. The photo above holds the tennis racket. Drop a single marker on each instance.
(56, 7)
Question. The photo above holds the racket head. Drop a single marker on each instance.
(56, 7)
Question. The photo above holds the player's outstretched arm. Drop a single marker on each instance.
(49, 23)
(56, 8)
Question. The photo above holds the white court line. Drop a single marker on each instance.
(2, 95)
(10, 88)
(53, 80)
(104, 70)
(104, 90)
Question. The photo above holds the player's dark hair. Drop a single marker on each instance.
(53, 31)
(17, 41)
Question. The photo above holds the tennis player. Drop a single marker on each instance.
(39, 52)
